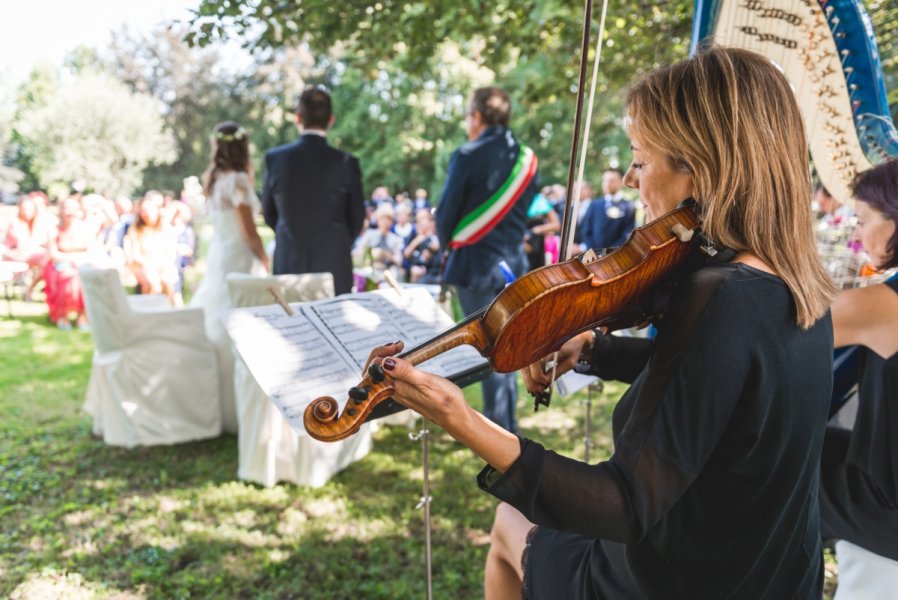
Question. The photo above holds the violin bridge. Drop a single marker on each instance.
(588, 256)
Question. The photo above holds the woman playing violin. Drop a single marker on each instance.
(859, 468)
(712, 488)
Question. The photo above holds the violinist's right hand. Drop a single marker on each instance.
(537, 377)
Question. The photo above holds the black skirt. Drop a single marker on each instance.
(575, 567)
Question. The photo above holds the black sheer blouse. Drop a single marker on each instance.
(712, 488)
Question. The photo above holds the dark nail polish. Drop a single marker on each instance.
(389, 344)
(389, 364)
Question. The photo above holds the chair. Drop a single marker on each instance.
(864, 575)
(155, 375)
(269, 449)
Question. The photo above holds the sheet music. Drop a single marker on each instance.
(320, 351)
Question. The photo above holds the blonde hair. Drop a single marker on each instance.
(729, 117)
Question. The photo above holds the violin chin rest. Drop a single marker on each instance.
(683, 234)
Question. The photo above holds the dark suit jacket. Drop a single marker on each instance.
(476, 171)
(313, 200)
(607, 223)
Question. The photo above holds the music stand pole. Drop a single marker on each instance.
(424, 436)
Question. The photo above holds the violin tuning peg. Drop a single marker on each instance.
(359, 394)
(376, 373)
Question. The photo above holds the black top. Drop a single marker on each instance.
(859, 480)
(712, 488)
(874, 439)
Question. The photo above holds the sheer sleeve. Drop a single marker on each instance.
(675, 414)
(243, 192)
(619, 358)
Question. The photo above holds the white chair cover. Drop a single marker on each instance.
(864, 575)
(269, 450)
(155, 375)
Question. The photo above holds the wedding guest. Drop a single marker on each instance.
(423, 251)
(150, 249)
(421, 200)
(68, 249)
(403, 227)
(381, 246)
(26, 240)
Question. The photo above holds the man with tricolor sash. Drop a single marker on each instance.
(481, 218)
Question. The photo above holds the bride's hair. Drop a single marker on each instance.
(230, 152)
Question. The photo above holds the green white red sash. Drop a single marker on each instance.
(481, 220)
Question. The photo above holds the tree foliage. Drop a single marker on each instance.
(94, 130)
(398, 58)
(188, 84)
(885, 27)
(10, 176)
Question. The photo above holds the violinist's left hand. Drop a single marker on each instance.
(441, 401)
(433, 397)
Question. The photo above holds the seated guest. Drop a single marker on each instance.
(68, 249)
(859, 468)
(403, 227)
(381, 195)
(151, 249)
(380, 247)
(422, 252)
(92, 207)
(421, 200)
(27, 238)
(185, 238)
(830, 211)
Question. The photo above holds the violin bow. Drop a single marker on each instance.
(574, 187)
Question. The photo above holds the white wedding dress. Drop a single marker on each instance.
(228, 253)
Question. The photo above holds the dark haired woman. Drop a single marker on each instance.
(236, 247)
(859, 469)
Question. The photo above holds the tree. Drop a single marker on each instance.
(9, 175)
(96, 130)
(190, 85)
(885, 27)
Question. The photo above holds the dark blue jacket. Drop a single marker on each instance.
(313, 200)
(607, 223)
(476, 171)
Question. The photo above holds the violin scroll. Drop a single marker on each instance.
(322, 417)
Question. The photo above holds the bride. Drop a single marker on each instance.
(236, 247)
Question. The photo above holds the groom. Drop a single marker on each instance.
(313, 198)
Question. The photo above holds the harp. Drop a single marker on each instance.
(827, 51)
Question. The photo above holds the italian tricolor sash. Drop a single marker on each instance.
(481, 220)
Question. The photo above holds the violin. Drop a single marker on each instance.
(534, 315)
